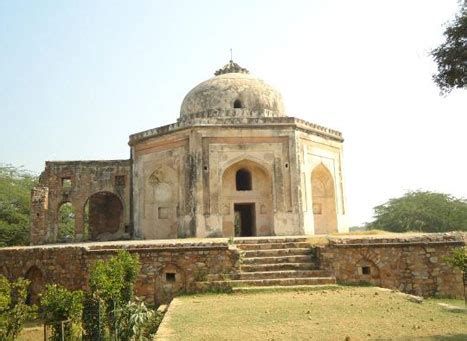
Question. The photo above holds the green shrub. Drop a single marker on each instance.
(458, 258)
(60, 304)
(13, 308)
(152, 324)
(93, 317)
(113, 282)
(131, 320)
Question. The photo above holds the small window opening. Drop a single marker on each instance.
(170, 277)
(366, 270)
(205, 168)
(286, 165)
(66, 182)
(238, 104)
(243, 180)
(120, 180)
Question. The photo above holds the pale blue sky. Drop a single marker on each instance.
(78, 77)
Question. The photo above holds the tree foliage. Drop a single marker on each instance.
(66, 223)
(15, 190)
(451, 55)
(421, 211)
(13, 308)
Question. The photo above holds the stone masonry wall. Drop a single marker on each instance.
(410, 263)
(77, 183)
(167, 268)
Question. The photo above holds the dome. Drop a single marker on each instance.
(233, 92)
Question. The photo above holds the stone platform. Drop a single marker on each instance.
(413, 263)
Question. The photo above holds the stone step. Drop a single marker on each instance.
(276, 252)
(268, 246)
(268, 240)
(277, 259)
(276, 281)
(286, 288)
(270, 275)
(277, 267)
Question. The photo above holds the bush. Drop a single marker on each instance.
(131, 320)
(13, 308)
(113, 283)
(59, 304)
(458, 258)
(93, 313)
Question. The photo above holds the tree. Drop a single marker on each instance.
(15, 191)
(421, 211)
(451, 56)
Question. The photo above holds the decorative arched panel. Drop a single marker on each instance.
(324, 200)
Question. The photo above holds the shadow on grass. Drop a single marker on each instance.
(454, 337)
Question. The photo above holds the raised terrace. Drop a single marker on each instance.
(413, 263)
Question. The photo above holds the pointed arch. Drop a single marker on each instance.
(35, 276)
(246, 198)
(324, 200)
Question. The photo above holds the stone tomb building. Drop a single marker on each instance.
(232, 165)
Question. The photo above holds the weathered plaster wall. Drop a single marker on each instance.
(193, 166)
(315, 151)
(411, 263)
(161, 183)
(75, 182)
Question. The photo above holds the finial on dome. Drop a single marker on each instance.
(231, 67)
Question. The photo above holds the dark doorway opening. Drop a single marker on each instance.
(244, 220)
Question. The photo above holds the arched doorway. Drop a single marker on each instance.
(66, 223)
(103, 216)
(324, 200)
(34, 275)
(247, 200)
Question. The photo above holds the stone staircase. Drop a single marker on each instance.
(274, 262)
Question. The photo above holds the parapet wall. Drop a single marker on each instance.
(412, 263)
(167, 267)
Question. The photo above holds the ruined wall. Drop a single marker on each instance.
(78, 182)
(167, 268)
(410, 263)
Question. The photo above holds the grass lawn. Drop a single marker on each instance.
(354, 312)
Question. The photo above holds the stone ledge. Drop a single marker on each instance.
(182, 247)
(220, 243)
(237, 122)
(398, 239)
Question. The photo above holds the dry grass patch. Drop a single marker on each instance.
(355, 313)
